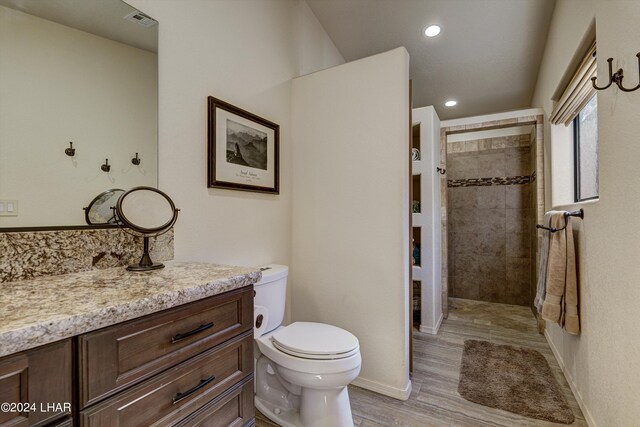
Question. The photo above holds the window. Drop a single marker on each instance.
(574, 135)
(585, 139)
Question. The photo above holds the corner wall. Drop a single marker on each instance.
(246, 53)
(602, 363)
(351, 210)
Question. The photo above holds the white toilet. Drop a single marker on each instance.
(302, 370)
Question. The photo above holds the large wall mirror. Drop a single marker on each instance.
(74, 71)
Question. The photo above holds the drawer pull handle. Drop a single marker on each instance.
(178, 397)
(179, 337)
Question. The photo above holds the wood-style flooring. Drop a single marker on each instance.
(434, 400)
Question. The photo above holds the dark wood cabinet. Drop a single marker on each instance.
(39, 382)
(232, 409)
(122, 355)
(170, 396)
(190, 365)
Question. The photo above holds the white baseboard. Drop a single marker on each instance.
(574, 388)
(432, 330)
(387, 390)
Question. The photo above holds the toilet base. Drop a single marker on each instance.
(321, 408)
(285, 418)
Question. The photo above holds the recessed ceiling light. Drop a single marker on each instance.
(451, 103)
(432, 31)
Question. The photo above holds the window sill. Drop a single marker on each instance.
(571, 206)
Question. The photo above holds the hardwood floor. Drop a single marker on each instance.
(434, 401)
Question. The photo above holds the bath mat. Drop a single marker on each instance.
(513, 379)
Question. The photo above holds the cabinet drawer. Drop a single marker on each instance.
(119, 356)
(40, 377)
(233, 409)
(172, 395)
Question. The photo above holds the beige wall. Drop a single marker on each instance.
(603, 363)
(246, 53)
(351, 210)
(59, 84)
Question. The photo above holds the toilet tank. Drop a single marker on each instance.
(271, 293)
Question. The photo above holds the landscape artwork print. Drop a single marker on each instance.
(246, 146)
(243, 149)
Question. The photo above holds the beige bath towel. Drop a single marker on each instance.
(541, 287)
(561, 298)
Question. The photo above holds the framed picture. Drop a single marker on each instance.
(243, 149)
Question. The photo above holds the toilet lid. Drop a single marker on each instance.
(315, 341)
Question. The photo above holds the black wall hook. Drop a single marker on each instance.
(617, 77)
(441, 171)
(70, 151)
(136, 160)
(106, 167)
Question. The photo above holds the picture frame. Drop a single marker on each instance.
(243, 149)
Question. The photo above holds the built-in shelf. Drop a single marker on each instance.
(416, 198)
(416, 167)
(416, 301)
(417, 246)
(426, 224)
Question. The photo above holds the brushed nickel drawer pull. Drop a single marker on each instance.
(179, 337)
(178, 397)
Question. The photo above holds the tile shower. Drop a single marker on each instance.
(491, 214)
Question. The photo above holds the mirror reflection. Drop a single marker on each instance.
(101, 210)
(79, 84)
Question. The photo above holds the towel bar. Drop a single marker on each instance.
(579, 213)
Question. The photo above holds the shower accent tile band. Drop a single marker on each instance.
(483, 182)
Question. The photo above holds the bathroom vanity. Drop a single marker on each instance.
(170, 347)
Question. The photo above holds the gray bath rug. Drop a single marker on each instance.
(514, 379)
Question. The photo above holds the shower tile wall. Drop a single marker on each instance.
(490, 219)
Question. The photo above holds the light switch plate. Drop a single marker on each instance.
(8, 208)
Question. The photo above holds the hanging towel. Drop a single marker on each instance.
(561, 294)
(571, 321)
(544, 259)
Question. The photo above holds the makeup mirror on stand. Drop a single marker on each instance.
(149, 212)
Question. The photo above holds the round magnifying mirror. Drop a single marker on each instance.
(150, 212)
(101, 209)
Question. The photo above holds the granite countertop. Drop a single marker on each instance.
(50, 308)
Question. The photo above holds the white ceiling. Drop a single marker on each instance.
(103, 18)
(486, 57)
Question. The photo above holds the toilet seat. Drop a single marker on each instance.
(317, 341)
(305, 364)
